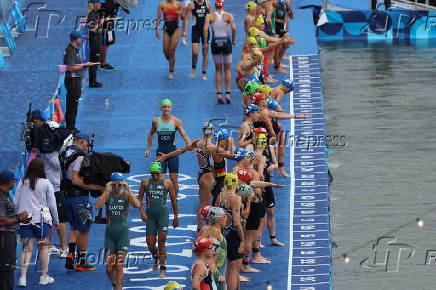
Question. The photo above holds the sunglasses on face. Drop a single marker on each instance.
(155, 173)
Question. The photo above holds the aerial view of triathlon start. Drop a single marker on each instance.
(217, 144)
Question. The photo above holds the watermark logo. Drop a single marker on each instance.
(40, 18)
(388, 254)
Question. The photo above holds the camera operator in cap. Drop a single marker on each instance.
(9, 225)
(76, 203)
(73, 77)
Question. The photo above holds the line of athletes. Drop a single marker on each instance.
(232, 206)
(270, 17)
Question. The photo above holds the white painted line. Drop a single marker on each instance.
(292, 196)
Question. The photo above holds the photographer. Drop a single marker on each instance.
(9, 225)
(77, 206)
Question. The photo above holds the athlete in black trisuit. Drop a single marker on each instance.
(199, 10)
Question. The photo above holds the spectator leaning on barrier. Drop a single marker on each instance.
(9, 225)
(73, 77)
(76, 202)
(35, 195)
(95, 25)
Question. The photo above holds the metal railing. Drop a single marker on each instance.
(415, 4)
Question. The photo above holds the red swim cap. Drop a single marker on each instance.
(205, 211)
(202, 244)
(245, 175)
(219, 4)
(260, 130)
(257, 98)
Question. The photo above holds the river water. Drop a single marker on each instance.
(382, 97)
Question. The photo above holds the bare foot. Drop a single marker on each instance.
(261, 261)
(193, 73)
(249, 269)
(163, 274)
(270, 80)
(244, 279)
(155, 266)
(285, 57)
(274, 242)
(284, 65)
(281, 170)
(280, 70)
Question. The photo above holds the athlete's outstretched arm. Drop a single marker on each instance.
(172, 191)
(150, 137)
(262, 184)
(281, 115)
(183, 132)
(142, 188)
(163, 157)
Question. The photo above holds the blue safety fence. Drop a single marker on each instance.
(11, 18)
(378, 25)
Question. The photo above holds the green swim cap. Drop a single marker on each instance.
(262, 42)
(173, 285)
(155, 167)
(166, 102)
(250, 88)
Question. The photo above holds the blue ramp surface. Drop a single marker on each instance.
(310, 254)
(120, 115)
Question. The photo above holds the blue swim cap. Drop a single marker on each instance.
(272, 104)
(222, 134)
(289, 84)
(249, 109)
(116, 176)
(240, 154)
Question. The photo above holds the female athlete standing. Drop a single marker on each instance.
(204, 149)
(221, 46)
(171, 11)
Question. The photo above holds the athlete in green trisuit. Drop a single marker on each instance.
(156, 217)
(166, 127)
(117, 197)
